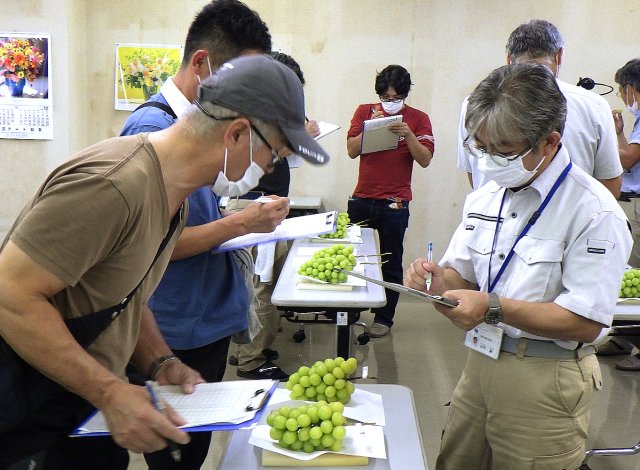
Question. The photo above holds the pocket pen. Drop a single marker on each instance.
(159, 405)
(429, 258)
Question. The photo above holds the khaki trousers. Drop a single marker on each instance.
(518, 413)
(250, 355)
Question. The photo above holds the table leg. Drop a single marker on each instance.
(343, 335)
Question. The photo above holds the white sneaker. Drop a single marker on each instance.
(378, 330)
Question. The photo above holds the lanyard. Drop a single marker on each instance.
(532, 220)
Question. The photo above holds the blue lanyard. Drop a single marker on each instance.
(532, 220)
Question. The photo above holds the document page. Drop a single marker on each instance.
(325, 129)
(289, 229)
(221, 402)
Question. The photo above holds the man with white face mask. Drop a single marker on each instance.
(516, 265)
(589, 132)
(202, 299)
(87, 240)
(628, 80)
(383, 192)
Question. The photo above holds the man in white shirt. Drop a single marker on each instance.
(525, 266)
(589, 134)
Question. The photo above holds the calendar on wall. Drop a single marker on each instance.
(25, 84)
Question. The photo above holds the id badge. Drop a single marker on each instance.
(485, 339)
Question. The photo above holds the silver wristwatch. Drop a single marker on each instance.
(494, 314)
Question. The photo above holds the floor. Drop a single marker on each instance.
(425, 352)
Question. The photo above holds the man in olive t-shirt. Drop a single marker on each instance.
(91, 232)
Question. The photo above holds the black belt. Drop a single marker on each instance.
(544, 349)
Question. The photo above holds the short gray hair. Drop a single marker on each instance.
(517, 102)
(534, 39)
(199, 124)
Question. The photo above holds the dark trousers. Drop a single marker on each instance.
(211, 362)
(391, 225)
(47, 429)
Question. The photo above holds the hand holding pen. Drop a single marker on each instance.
(159, 405)
(429, 259)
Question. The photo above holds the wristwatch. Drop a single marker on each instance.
(494, 314)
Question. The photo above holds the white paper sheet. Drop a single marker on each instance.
(220, 402)
(360, 440)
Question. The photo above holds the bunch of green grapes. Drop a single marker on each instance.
(312, 427)
(321, 265)
(324, 381)
(630, 285)
(341, 227)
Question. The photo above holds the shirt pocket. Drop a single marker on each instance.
(478, 240)
(537, 268)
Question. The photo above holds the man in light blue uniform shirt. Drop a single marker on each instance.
(628, 79)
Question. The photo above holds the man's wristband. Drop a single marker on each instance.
(158, 363)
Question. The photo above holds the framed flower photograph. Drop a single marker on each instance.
(141, 69)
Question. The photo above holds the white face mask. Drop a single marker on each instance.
(223, 187)
(633, 107)
(392, 108)
(511, 176)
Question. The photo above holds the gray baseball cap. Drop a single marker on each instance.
(259, 86)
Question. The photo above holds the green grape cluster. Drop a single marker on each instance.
(321, 265)
(630, 285)
(341, 227)
(324, 381)
(318, 426)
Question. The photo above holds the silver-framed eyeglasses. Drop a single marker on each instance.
(498, 158)
(275, 156)
(391, 99)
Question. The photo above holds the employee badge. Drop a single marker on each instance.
(486, 339)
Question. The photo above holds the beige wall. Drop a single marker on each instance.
(447, 45)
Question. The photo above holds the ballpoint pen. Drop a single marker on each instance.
(159, 405)
(429, 258)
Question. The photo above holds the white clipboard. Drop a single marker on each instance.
(403, 290)
(376, 135)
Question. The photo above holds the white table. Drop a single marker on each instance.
(402, 436)
(291, 300)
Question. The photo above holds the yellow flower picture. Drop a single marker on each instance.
(141, 70)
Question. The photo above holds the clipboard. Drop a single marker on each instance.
(376, 135)
(438, 299)
(289, 229)
(253, 408)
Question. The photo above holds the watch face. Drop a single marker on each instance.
(493, 316)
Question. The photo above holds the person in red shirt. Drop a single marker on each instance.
(382, 194)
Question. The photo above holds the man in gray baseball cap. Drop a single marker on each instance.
(115, 201)
(262, 87)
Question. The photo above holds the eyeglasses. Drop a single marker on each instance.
(498, 158)
(391, 99)
(619, 92)
(276, 158)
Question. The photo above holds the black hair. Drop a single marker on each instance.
(629, 74)
(395, 76)
(225, 28)
(289, 62)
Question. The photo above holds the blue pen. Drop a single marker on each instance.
(159, 405)
(429, 258)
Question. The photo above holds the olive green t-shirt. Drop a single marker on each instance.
(96, 223)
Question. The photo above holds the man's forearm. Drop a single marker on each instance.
(151, 344)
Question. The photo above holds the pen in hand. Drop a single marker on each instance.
(429, 258)
(159, 405)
